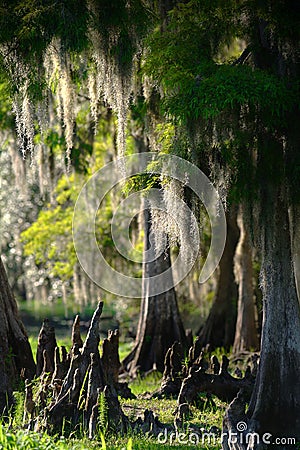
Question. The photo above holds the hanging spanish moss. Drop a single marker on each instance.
(115, 51)
(94, 95)
(115, 88)
(159, 224)
(17, 70)
(58, 75)
(23, 110)
(106, 40)
(66, 92)
(174, 221)
(43, 114)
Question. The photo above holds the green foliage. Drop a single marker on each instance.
(228, 88)
(227, 111)
(29, 440)
(50, 240)
(103, 415)
(183, 59)
(141, 182)
(193, 36)
(82, 393)
(6, 117)
(10, 440)
(18, 411)
(12, 436)
(50, 237)
(103, 443)
(165, 134)
(151, 178)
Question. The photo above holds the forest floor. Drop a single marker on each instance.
(13, 435)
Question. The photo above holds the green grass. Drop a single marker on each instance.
(12, 436)
(29, 440)
(142, 385)
(62, 341)
(124, 349)
(165, 410)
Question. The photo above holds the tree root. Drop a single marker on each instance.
(70, 384)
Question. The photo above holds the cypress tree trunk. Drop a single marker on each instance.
(159, 324)
(15, 351)
(159, 321)
(245, 333)
(219, 328)
(295, 236)
(275, 405)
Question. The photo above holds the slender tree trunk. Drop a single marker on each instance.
(219, 328)
(245, 333)
(159, 322)
(15, 352)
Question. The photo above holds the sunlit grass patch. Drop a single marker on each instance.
(149, 383)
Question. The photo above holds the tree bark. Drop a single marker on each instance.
(15, 351)
(295, 237)
(219, 328)
(159, 321)
(275, 404)
(245, 333)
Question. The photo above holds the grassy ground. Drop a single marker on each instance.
(12, 436)
(34, 441)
